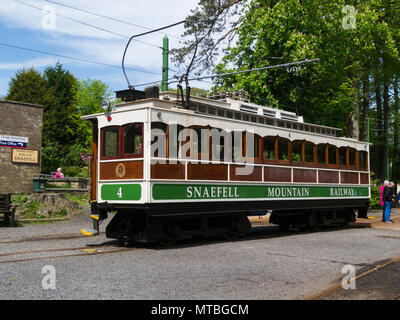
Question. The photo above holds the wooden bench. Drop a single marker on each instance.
(7, 211)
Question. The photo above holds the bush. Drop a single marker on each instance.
(375, 192)
(75, 171)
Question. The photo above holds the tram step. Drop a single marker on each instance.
(89, 232)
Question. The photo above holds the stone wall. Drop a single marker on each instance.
(23, 120)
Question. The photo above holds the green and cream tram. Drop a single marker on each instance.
(172, 171)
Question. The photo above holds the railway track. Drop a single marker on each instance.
(336, 288)
(23, 256)
(45, 237)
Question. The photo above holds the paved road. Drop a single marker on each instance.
(273, 265)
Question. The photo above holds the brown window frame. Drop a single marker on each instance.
(121, 142)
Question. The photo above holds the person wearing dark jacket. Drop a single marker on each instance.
(388, 197)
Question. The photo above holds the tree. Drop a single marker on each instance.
(28, 85)
(89, 97)
(357, 43)
(90, 94)
(61, 120)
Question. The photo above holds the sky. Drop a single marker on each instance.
(46, 26)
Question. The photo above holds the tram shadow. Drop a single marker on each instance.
(257, 232)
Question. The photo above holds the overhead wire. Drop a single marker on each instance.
(88, 24)
(109, 18)
(251, 70)
(73, 58)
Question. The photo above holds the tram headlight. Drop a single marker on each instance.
(106, 105)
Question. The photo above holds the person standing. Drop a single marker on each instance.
(388, 197)
(382, 203)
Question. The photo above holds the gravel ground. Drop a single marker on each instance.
(286, 266)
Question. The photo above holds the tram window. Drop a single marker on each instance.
(363, 159)
(218, 148)
(296, 150)
(195, 140)
(260, 120)
(238, 116)
(236, 142)
(308, 152)
(312, 129)
(281, 123)
(253, 119)
(158, 138)
(229, 114)
(283, 149)
(352, 157)
(306, 128)
(133, 138)
(342, 156)
(203, 109)
(269, 121)
(211, 110)
(245, 117)
(294, 126)
(321, 153)
(221, 112)
(110, 142)
(300, 127)
(323, 131)
(318, 130)
(331, 154)
(269, 148)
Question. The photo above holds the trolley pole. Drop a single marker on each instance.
(164, 86)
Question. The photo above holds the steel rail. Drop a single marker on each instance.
(338, 287)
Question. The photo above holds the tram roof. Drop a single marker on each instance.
(197, 105)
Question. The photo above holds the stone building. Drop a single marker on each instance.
(20, 145)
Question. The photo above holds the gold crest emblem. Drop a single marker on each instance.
(120, 170)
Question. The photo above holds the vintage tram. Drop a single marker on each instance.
(172, 169)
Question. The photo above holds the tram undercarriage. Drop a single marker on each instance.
(171, 223)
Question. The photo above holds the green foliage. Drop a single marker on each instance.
(27, 85)
(375, 192)
(65, 99)
(90, 95)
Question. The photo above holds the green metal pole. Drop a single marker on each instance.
(164, 86)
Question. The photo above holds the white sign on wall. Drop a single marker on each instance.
(13, 141)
